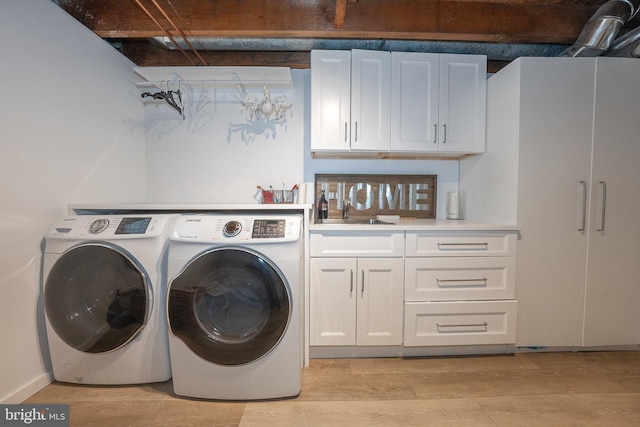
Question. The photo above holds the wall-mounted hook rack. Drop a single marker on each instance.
(216, 77)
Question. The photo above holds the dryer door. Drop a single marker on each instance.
(97, 297)
(230, 306)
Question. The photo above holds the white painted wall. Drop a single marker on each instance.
(72, 132)
(217, 156)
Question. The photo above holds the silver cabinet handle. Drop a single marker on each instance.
(345, 132)
(445, 134)
(435, 133)
(473, 327)
(583, 219)
(356, 138)
(351, 288)
(460, 246)
(603, 184)
(442, 283)
(362, 289)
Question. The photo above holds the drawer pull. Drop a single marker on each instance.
(351, 290)
(464, 327)
(481, 246)
(446, 283)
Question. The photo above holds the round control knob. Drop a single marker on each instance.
(232, 228)
(98, 226)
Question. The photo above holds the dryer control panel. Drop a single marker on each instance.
(269, 228)
(238, 228)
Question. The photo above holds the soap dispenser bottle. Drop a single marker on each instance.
(323, 207)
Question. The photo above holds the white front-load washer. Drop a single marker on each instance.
(234, 306)
(104, 291)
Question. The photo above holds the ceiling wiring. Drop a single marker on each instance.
(182, 34)
(169, 36)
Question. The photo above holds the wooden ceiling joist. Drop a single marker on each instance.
(542, 21)
(502, 21)
(341, 11)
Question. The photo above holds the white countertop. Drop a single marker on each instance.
(419, 225)
(180, 207)
(402, 225)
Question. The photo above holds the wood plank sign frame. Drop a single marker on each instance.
(408, 196)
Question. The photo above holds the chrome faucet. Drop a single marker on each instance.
(346, 204)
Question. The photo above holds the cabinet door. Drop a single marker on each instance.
(330, 99)
(612, 313)
(370, 99)
(555, 131)
(414, 101)
(463, 90)
(332, 312)
(380, 301)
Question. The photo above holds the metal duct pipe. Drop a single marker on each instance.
(627, 45)
(602, 28)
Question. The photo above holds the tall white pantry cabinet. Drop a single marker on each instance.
(563, 163)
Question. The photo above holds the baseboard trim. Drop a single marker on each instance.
(29, 389)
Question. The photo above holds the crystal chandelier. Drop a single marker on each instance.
(266, 107)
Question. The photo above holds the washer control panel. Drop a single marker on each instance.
(110, 226)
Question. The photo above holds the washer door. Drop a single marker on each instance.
(229, 306)
(97, 298)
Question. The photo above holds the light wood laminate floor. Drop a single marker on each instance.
(532, 389)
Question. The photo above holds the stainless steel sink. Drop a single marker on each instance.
(333, 221)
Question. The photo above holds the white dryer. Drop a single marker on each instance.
(234, 306)
(104, 292)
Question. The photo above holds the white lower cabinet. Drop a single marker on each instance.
(356, 289)
(455, 278)
(412, 289)
(460, 288)
(356, 301)
(460, 323)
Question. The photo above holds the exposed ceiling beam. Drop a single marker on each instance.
(128, 26)
(541, 21)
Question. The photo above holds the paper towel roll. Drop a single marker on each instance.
(302, 193)
(455, 204)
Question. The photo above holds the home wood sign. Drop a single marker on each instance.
(408, 196)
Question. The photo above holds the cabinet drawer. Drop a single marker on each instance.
(365, 244)
(481, 243)
(448, 279)
(459, 323)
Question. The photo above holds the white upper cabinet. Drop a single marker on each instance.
(438, 102)
(414, 103)
(370, 97)
(351, 93)
(382, 102)
(331, 98)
